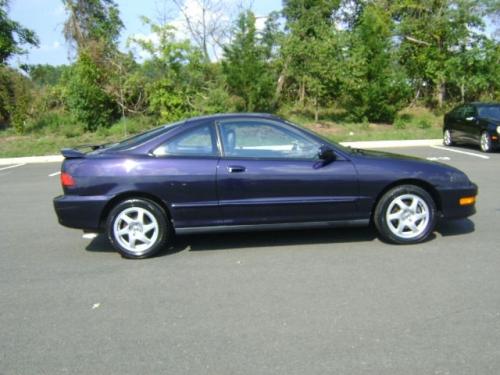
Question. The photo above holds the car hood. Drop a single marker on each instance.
(392, 156)
(404, 166)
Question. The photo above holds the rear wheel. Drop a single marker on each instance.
(138, 228)
(405, 214)
(485, 142)
(447, 139)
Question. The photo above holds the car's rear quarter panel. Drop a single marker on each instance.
(186, 187)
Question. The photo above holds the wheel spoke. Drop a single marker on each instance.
(148, 227)
(132, 241)
(140, 216)
(124, 230)
(419, 216)
(394, 216)
(401, 226)
(413, 227)
(414, 204)
(400, 203)
(126, 218)
(141, 237)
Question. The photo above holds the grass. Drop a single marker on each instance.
(49, 137)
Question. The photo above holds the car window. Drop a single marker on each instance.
(265, 139)
(457, 112)
(469, 111)
(194, 142)
(142, 137)
(491, 112)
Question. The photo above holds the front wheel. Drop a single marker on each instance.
(138, 228)
(447, 140)
(406, 214)
(485, 142)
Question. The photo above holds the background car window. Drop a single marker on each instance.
(458, 112)
(469, 111)
(194, 142)
(491, 112)
(255, 139)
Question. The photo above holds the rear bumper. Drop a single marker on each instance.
(79, 211)
(450, 202)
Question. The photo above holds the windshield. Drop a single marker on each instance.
(142, 137)
(490, 111)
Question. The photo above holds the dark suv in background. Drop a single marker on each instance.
(473, 123)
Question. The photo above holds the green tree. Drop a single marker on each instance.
(13, 35)
(173, 74)
(245, 67)
(312, 51)
(375, 86)
(15, 98)
(86, 99)
(434, 35)
(92, 21)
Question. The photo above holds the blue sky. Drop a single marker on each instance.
(46, 18)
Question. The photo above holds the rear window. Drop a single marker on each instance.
(491, 111)
(142, 137)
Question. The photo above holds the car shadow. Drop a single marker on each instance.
(242, 240)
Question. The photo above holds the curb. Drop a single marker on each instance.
(389, 144)
(363, 144)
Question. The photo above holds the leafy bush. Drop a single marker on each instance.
(86, 99)
(424, 124)
(15, 99)
(400, 123)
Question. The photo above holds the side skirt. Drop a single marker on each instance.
(276, 226)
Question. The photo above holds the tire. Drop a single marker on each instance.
(485, 143)
(138, 228)
(447, 138)
(405, 214)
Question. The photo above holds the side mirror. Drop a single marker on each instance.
(326, 154)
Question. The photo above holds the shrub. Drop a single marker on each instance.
(424, 124)
(400, 123)
(86, 99)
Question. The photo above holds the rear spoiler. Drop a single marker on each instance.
(73, 153)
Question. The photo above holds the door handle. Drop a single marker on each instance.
(236, 168)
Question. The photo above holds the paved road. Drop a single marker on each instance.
(297, 302)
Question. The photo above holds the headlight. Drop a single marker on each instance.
(498, 129)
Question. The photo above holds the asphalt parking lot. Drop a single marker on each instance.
(295, 302)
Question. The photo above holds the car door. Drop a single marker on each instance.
(454, 123)
(270, 173)
(470, 129)
(187, 163)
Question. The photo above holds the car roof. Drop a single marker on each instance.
(220, 116)
(483, 104)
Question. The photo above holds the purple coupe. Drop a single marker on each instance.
(237, 172)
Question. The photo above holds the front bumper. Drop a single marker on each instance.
(450, 202)
(82, 212)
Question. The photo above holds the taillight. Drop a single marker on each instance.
(67, 180)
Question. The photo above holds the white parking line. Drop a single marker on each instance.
(55, 174)
(462, 152)
(436, 158)
(12, 166)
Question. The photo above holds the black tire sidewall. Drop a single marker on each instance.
(379, 217)
(164, 231)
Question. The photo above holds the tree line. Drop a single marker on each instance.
(367, 59)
